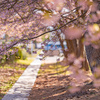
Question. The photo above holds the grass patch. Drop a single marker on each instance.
(54, 69)
(29, 58)
(25, 62)
(10, 72)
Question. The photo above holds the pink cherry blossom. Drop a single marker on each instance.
(74, 89)
(73, 33)
(50, 20)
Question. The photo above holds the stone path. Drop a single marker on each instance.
(21, 89)
(23, 86)
(51, 59)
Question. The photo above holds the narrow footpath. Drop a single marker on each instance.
(23, 86)
(21, 89)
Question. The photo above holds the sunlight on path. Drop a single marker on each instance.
(21, 89)
(23, 86)
(52, 59)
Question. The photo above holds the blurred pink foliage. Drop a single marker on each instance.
(50, 20)
(59, 4)
(74, 89)
(73, 33)
(30, 18)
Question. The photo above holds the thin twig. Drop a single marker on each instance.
(21, 40)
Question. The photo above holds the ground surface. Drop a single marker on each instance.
(9, 74)
(52, 86)
(11, 71)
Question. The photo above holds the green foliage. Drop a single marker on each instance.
(20, 54)
(29, 58)
(16, 55)
(24, 54)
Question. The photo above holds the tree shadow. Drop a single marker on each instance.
(48, 87)
(59, 92)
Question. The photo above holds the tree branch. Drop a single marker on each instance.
(21, 40)
(58, 27)
(13, 4)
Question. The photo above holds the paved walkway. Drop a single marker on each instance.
(23, 86)
(21, 89)
(51, 59)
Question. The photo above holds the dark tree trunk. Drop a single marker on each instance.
(93, 55)
(62, 45)
(76, 46)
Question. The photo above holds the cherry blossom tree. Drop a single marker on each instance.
(77, 20)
